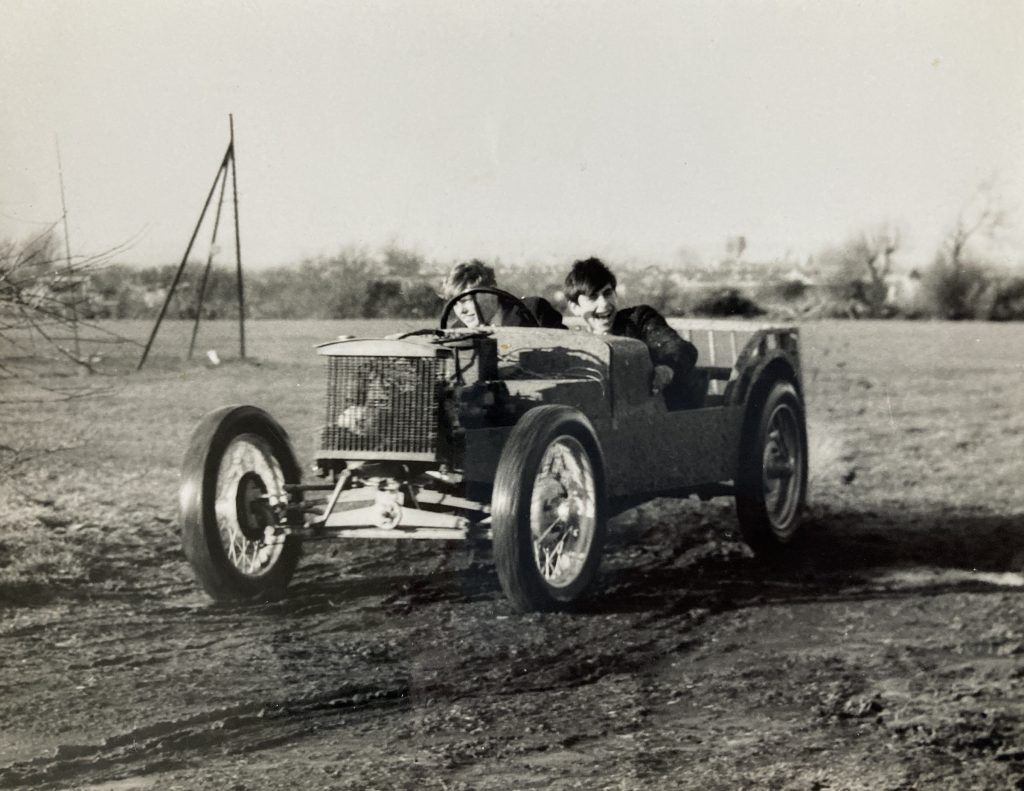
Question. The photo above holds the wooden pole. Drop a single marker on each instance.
(184, 260)
(238, 241)
(67, 253)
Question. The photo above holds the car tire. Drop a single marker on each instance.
(771, 483)
(232, 504)
(549, 509)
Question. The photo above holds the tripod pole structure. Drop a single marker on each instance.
(184, 260)
(238, 240)
(209, 263)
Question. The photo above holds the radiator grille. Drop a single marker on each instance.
(382, 405)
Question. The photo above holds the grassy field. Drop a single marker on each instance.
(885, 656)
(922, 422)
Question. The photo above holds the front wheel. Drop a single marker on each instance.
(772, 480)
(232, 504)
(549, 509)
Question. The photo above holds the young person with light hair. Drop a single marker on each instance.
(472, 311)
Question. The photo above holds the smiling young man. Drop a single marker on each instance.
(590, 291)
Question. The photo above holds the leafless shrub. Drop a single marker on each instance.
(961, 283)
(43, 335)
(857, 271)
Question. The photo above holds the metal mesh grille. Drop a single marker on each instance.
(386, 405)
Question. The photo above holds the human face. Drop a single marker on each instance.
(467, 311)
(597, 311)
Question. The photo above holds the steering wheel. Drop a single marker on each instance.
(503, 298)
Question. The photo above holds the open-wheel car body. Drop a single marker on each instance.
(525, 437)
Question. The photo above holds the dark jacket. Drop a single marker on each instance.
(542, 310)
(666, 347)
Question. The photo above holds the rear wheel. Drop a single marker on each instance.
(232, 505)
(771, 483)
(549, 510)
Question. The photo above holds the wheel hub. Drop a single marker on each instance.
(562, 514)
(781, 469)
(249, 488)
(254, 511)
(778, 464)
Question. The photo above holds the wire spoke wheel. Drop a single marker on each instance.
(563, 512)
(233, 505)
(549, 509)
(250, 484)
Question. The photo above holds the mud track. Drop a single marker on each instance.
(880, 658)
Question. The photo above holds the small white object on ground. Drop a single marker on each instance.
(213, 357)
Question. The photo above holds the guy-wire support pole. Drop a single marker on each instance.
(184, 260)
(67, 252)
(209, 263)
(238, 241)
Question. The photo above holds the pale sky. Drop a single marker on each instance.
(521, 130)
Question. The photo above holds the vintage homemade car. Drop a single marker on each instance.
(526, 437)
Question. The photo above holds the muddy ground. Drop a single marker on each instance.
(888, 655)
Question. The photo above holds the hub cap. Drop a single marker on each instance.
(782, 466)
(249, 484)
(563, 512)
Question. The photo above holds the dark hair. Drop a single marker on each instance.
(586, 278)
(469, 274)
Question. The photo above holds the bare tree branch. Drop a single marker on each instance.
(42, 295)
(983, 218)
(861, 268)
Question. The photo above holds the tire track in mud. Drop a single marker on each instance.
(248, 728)
(651, 603)
(170, 744)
